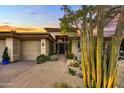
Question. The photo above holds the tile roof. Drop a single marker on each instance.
(6, 28)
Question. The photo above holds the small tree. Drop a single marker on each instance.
(5, 55)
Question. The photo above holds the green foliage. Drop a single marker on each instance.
(69, 55)
(69, 46)
(72, 72)
(5, 55)
(42, 58)
(62, 85)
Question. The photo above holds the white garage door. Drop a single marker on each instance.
(2, 47)
(30, 50)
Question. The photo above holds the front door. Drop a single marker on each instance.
(61, 48)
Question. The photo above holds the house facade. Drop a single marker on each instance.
(26, 44)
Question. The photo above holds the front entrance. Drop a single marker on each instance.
(61, 44)
(61, 48)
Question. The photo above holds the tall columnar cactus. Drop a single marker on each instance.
(99, 62)
(99, 67)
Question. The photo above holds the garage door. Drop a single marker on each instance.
(30, 50)
(2, 47)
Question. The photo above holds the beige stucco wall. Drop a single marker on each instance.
(44, 46)
(9, 44)
(47, 47)
(16, 49)
(13, 48)
(2, 47)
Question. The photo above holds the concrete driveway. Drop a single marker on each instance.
(28, 74)
(24, 74)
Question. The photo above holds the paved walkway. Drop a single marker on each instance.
(25, 74)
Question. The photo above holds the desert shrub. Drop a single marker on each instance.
(69, 56)
(53, 58)
(75, 64)
(72, 72)
(62, 85)
(42, 58)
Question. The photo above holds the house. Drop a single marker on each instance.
(27, 43)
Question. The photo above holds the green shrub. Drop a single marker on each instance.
(5, 55)
(62, 85)
(42, 58)
(72, 72)
(69, 56)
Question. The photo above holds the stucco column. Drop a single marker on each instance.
(44, 47)
(9, 45)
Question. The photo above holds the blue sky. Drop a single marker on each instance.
(36, 15)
